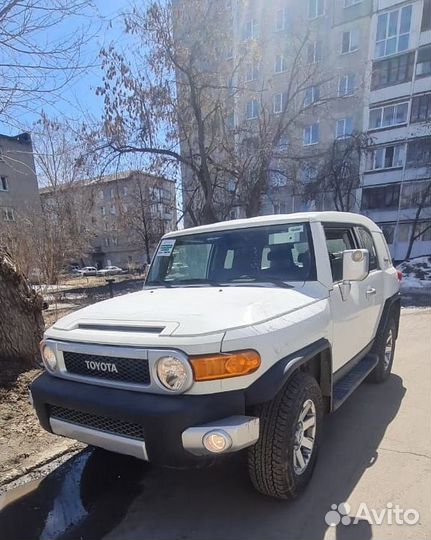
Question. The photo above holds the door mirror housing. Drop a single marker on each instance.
(355, 264)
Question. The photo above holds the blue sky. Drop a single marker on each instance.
(78, 99)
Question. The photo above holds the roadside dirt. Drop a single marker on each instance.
(24, 445)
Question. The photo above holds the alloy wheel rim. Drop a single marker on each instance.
(304, 437)
(388, 350)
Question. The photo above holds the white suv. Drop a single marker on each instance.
(245, 334)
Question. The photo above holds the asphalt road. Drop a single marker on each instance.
(375, 450)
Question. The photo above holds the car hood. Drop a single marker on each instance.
(190, 311)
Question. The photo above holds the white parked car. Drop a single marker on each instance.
(110, 271)
(246, 333)
(88, 271)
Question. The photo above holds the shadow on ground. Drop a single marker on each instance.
(97, 494)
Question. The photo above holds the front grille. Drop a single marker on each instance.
(133, 370)
(100, 423)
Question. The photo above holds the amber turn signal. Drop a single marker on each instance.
(221, 366)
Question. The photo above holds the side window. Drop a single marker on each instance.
(366, 242)
(338, 239)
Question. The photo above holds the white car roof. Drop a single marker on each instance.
(278, 219)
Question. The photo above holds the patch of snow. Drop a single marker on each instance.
(416, 273)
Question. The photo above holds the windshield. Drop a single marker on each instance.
(272, 255)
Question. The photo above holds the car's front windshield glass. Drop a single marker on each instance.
(270, 255)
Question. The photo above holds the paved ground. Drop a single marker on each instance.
(376, 450)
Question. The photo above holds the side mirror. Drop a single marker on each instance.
(355, 264)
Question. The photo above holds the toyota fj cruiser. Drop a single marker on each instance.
(245, 334)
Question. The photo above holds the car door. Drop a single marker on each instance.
(347, 315)
(371, 288)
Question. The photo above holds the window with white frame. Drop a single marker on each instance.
(281, 19)
(312, 95)
(251, 30)
(393, 31)
(314, 52)
(346, 85)
(277, 103)
(386, 157)
(316, 8)
(4, 185)
(280, 63)
(8, 214)
(251, 71)
(350, 41)
(349, 3)
(252, 109)
(344, 128)
(311, 134)
(388, 116)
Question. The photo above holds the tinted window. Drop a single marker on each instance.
(366, 242)
(337, 241)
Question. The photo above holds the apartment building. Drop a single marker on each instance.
(123, 215)
(396, 182)
(18, 181)
(362, 61)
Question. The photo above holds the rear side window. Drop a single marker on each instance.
(366, 242)
(338, 239)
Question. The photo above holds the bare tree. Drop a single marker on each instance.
(38, 56)
(338, 172)
(422, 199)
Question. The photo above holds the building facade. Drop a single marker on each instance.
(122, 216)
(18, 182)
(365, 68)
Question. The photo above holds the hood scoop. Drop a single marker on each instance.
(121, 328)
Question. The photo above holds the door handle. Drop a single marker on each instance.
(370, 291)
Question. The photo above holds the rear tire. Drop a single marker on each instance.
(384, 347)
(282, 461)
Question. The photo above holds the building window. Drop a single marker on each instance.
(393, 31)
(316, 8)
(314, 52)
(1, 155)
(423, 64)
(113, 211)
(125, 191)
(414, 194)
(386, 157)
(251, 71)
(346, 85)
(312, 95)
(419, 153)
(252, 109)
(426, 16)
(424, 229)
(8, 214)
(350, 41)
(106, 241)
(421, 108)
(311, 134)
(103, 210)
(112, 193)
(381, 197)
(280, 63)
(388, 230)
(4, 186)
(403, 234)
(392, 71)
(251, 30)
(277, 103)
(391, 115)
(344, 128)
(348, 3)
(281, 20)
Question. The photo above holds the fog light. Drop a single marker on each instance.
(217, 441)
(49, 358)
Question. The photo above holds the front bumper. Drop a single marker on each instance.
(162, 429)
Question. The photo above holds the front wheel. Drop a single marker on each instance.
(282, 461)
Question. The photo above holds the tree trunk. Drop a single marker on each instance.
(21, 321)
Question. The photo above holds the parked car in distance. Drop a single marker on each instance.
(110, 271)
(88, 271)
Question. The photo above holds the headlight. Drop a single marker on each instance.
(48, 357)
(173, 373)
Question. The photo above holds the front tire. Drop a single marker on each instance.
(282, 461)
(384, 347)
